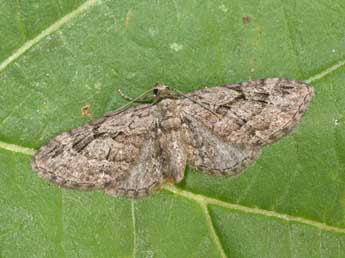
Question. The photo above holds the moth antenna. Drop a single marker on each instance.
(124, 96)
(124, 107)
(141, 101)
(196, 102)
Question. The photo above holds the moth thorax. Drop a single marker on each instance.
(162, 91)
(171, 123)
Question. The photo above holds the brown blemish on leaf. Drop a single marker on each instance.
(246, 20)
(86, 110)
(128, 17)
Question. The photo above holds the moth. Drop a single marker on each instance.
(133, 151)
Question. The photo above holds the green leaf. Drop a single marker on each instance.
(57, 57)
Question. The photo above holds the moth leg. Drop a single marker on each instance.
(212, 155)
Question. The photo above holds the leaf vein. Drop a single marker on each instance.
(326, 72)
(17, 148)
(213, 232)
(54, 27)
(290, 218)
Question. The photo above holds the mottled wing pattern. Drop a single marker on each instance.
(245, 117)
(116, 153)
(209, 153)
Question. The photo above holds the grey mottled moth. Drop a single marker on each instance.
(218, 130)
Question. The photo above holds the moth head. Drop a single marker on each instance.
(162, 91)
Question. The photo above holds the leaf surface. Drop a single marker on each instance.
(57, 57)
